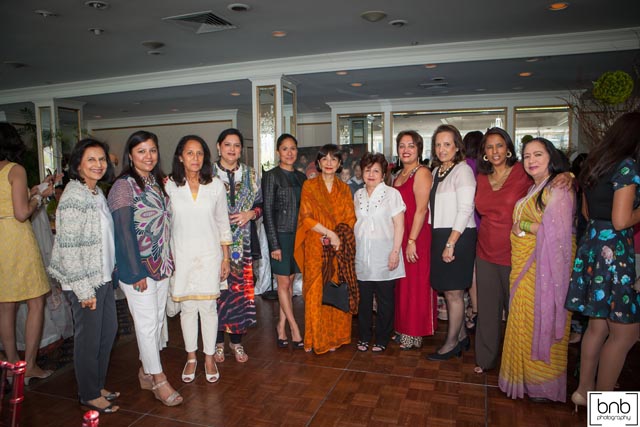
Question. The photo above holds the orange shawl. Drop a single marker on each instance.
(326, 327)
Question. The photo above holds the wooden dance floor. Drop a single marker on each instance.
(294, 388)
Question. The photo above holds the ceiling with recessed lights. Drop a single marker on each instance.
(49, 47)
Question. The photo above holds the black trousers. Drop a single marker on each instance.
(384, 292)
(94, 333)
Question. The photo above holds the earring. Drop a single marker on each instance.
(485, 158)
(509, 154)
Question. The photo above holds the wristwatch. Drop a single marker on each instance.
(449, 245)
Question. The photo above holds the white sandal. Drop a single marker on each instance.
(187, 378)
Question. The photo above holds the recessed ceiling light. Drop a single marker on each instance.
(480, 89)
(235, 94)
(355, 84)
(444, 91)
(14, 64)
(526, 74)
(342, 73)
(154, 52)
(136, 102)
(96, 31)
(398, 23)
(152, 44)
(175, 110)
(532, 59)
(238, 7)
(408, 93)
(97, 116)
(97, 4)
(45, 13)
(279, 34)
(374, 96)
(373, 15)
(430, 66)
(558, 6)
(517, 87)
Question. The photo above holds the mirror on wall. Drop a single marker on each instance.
(69, 130)
(367, 129)
(266, 126)
(49, 150)
(288, 110)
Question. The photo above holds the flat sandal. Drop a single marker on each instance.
(238, 351)
(218, 354)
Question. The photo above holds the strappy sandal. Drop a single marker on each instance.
(174, 398)
(111, 395)
(218, 355)
(362, 346)
(240, 354)
(146, 380)
(378, 348)
(471, 319)
(111, 409)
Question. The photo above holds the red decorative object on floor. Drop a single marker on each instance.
(91, 419)
(18, 369)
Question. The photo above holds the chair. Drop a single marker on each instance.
(17, 395)
(91, 419)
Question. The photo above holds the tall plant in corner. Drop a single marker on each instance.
(596, 109)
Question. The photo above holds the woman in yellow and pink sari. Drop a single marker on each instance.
(534, 356)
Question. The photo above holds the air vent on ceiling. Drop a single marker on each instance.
(434, 85)
(202, 22)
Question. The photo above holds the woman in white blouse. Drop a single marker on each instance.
(378, 231)
(200, 240)
(453, 243)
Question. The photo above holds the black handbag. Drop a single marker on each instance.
(333, 294)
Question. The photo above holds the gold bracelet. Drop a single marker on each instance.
(226, 259)
(411, 242)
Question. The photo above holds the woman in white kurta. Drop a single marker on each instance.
(378, 231)
(200, 241)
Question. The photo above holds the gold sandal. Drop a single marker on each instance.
(238, 350)
(174, 398)
(218, 355)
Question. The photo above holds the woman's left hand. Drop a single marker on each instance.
(89, 303)
(224, 270)
(394, 260)
(241, 218)
(447, 255)
(515, 229)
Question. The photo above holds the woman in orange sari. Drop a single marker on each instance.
(325, 202)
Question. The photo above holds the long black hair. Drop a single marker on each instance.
(76, 158)
(484, 166)
(177, 168)
(133, 141)
(11, 146)
(558, 163)
(622, 140)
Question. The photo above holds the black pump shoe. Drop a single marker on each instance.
(465, 344)
(454, 352)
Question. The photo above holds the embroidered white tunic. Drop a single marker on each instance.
(374, 232)
(199, 227)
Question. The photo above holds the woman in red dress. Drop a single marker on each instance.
(415, 311)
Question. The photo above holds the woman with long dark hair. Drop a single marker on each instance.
(534, 356)
(22, 274)
(200, 239)
(142, 220)
(281, 189)
(82, 261)
(604, 270)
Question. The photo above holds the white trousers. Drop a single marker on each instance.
(148, 312)
(208, 323)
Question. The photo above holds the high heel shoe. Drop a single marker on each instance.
(454, 352)
(465, 344)
(211, 378)
(578, 400)
(45, 374)
(282, 343)
(146, 380)
(174, 398)
(187, 378)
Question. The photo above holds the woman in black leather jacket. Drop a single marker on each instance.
(281, 187)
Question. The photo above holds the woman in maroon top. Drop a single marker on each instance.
(501, 182)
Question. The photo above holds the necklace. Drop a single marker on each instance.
(149, 179)
(496, 183)
(443, 172)
(93, 190)
(407, 172)
(517, 213)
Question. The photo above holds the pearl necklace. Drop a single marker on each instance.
(520, 204)
(443, 172)
(407, 172)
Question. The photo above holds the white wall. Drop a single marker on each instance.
(314, 130)
(168, 128)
